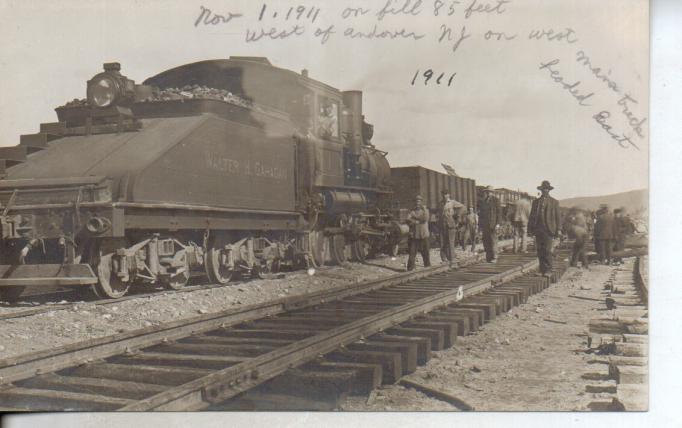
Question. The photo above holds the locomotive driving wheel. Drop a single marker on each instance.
(361, 250)
(217, 266)
(106, 266)
(318, 243)
(337, 249)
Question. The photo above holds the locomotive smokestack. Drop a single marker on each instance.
(353, 101)
(112, 66)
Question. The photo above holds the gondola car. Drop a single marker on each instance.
(226, 167)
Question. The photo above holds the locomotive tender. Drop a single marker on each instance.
(226, 167)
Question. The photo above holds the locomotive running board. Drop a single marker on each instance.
(46, 275)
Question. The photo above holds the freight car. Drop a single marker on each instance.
(226, 167)
(417, 180)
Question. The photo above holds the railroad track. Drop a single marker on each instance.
(372, 332)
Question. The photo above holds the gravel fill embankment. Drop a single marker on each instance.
(520, 361)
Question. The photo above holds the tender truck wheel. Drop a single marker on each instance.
(105, 266)
(11, 294)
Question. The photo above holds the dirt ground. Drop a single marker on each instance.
(87, 320)
(527, 359)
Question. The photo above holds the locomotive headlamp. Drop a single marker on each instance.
(110, 88)
(102, 92)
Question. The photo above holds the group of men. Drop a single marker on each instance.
(456, 224)
(610, 231)
(542, 220)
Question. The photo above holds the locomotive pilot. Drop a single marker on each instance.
(418, 219)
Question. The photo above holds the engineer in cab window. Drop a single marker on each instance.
(328, 126)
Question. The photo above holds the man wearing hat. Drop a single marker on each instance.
(544, 223)
(418, 219)
(449, 219)
(488, 221)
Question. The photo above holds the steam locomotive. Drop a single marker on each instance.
(227, 167)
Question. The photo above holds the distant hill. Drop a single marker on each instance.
(635, 201)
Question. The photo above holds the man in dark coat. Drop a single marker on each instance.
(489, 214)
(544, 223)
(418, 220)
(605, 234)
(624, 228)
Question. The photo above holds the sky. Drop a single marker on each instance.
(503, 121)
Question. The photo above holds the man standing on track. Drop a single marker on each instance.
(470, 228)
(489, 221)
(604, 234)
(624, 228)
(544, 223)
(576, 228)
(520, 223)
(418, 219)
(449, 219)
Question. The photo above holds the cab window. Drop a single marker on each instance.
(327, 118)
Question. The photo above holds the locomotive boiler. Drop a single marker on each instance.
(223, 167)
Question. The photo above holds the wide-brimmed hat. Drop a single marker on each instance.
(418, 197)
(545, 185)
(488, 189)
(445, 192)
